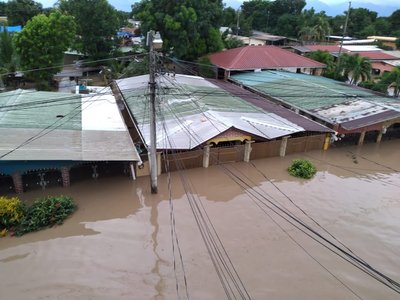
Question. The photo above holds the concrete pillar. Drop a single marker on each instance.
(18, 183)
(206, 156)
(132, 168)
(379, 137)
(66, 180)
(361, 139)
(159, 163)
(247, 151)
(282, 151)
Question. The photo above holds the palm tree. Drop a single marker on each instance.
(356, 68)
(392, 79)
(322, 28)
(307, 34)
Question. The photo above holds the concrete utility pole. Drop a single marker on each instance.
(153, 143)
(341, 42)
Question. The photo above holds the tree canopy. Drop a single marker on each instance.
(96, 24)
(19, 12)
(41, 45)
(189, 28)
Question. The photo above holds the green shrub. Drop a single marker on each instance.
(46, 212)
(11, 212)
(302, 168)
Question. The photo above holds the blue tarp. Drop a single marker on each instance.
(17, 28)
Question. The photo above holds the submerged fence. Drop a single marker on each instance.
(220, 155)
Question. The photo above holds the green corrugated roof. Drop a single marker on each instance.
(305, 91)
(32, 109)
(184, 100)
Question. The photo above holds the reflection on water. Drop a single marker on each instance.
(117, 245)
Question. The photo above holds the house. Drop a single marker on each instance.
(51, 138)
(385, 40)
(346, 109)
(195, 114)
(252, 58)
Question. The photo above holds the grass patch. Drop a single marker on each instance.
(302, 168)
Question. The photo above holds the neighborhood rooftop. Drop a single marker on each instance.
(195, 111)
(326, 99)
(261, 57)
(48, 126)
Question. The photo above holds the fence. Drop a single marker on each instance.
(220, 155)
(305, 143)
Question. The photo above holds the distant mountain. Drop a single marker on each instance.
(338, 9)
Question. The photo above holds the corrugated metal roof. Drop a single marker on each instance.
(329, 100)
(328, 48)
(261, 57)
(271, 107)
(63, 127)
(376, 55)
(393, 53)
(192, 110)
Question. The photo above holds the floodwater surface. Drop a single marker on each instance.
(124, 243)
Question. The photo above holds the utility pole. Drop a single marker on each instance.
(341, 42)
(152, 86)
(237, 23)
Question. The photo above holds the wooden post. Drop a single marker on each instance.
(206, 156)
(247, 151)
(282, 151)
(361, 139)
(66, 180)
(18, 183)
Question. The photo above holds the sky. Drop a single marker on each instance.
(125, 4)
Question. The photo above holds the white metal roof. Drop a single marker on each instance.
(360, 48)
(192, 117)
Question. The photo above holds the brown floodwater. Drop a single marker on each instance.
(118, 244)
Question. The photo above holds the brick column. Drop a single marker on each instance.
(18, 183)
(66, 180)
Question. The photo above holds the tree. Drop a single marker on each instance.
(256, 14)
(359, 19)
(188, 27)
(356, 68)
(325, 58)
(21, 11)
(392, 80)
(41, 45)
(8, 56)
(307, 34)
(96, 22)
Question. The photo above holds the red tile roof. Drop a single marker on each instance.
(261, 57)
(378, 55)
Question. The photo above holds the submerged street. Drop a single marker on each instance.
(125, 243)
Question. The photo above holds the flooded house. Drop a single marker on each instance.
(50, 138)
(354, 113)
(203, 122)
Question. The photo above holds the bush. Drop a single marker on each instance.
(11, 212)
(302, 168)
(46, 212)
